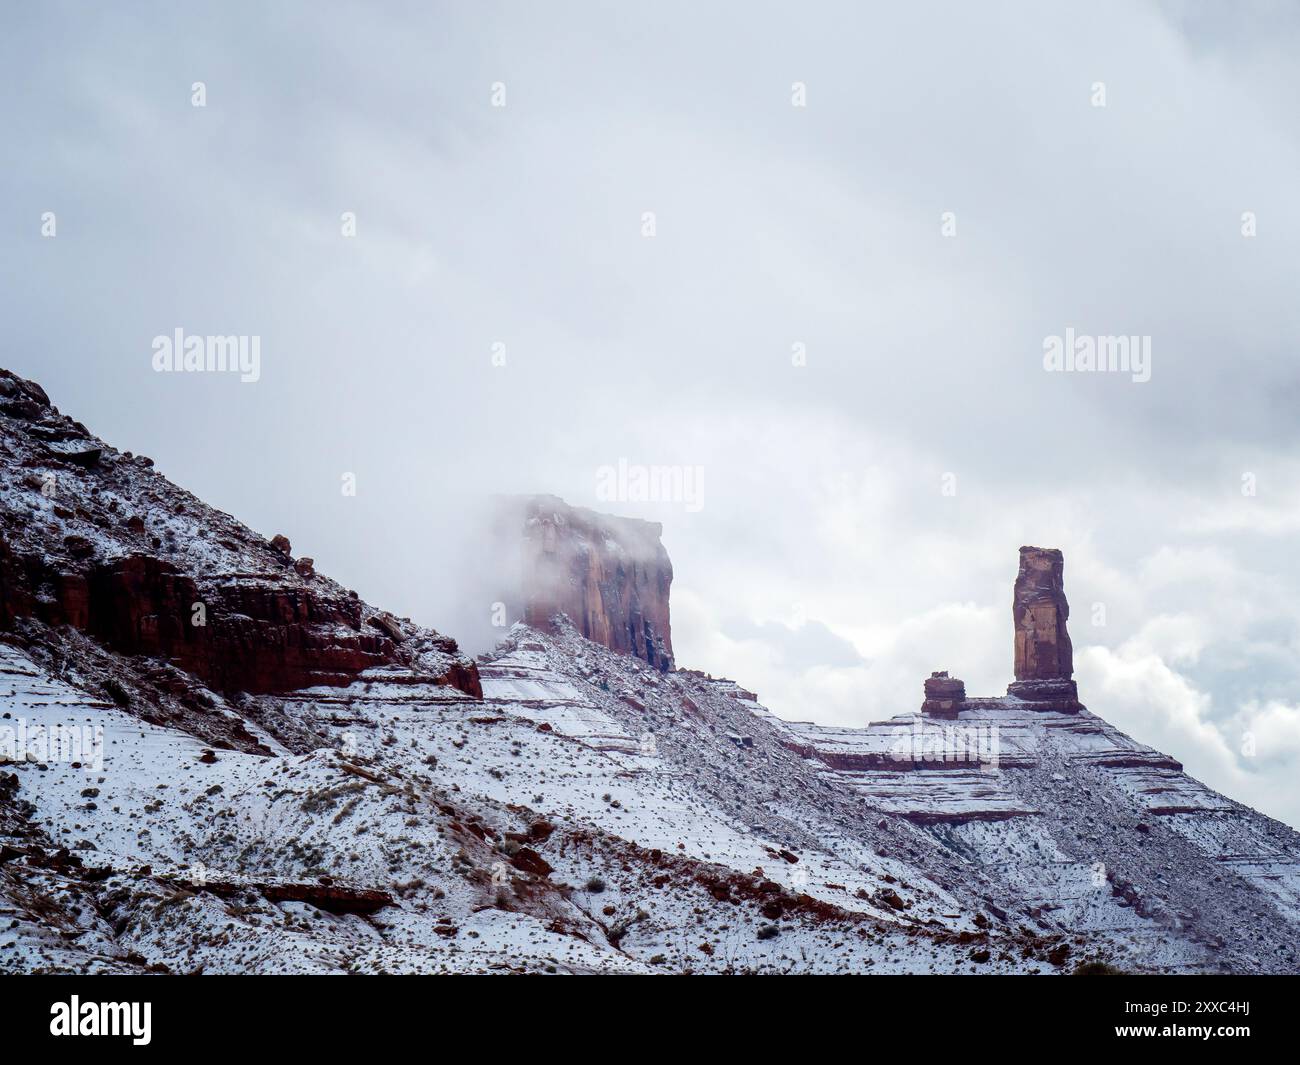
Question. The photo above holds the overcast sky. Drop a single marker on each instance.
(950, 195)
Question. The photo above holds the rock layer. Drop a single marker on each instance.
(113, 550)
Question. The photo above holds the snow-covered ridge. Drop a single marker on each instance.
(582, 811)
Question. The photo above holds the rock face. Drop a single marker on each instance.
(1040, 611)
(610, 575)
(113, 551)
(944, 695)
(1044, 657)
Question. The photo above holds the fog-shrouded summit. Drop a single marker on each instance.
(610, 575)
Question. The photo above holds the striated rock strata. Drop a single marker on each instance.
(95, 541)
(611, 576)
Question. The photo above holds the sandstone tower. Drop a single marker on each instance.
(1044, 657)
(611, 576)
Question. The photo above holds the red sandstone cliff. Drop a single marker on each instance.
(96, 541)
(610, 575)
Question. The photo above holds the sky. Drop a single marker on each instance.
(809, 256)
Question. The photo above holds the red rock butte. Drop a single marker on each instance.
(610, 575)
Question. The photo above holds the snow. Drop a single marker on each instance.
(1079, 838)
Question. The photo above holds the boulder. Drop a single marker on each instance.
(944, 695)
(387, 624)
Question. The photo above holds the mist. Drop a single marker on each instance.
(496, 250)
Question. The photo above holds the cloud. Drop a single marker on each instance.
(1141, 694)
(809, 644)
(1274, 731)
(1244, 755)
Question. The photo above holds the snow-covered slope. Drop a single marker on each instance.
(386, 806)
(592, 814)
(489, 840)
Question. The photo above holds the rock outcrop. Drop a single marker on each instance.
(113, 550)
(1040, 611)
(610, 575)
(1044, 657)
(944, 695)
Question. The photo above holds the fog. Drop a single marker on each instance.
(815, 251)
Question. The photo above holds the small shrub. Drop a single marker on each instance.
(1097, 968)
(116, 692)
